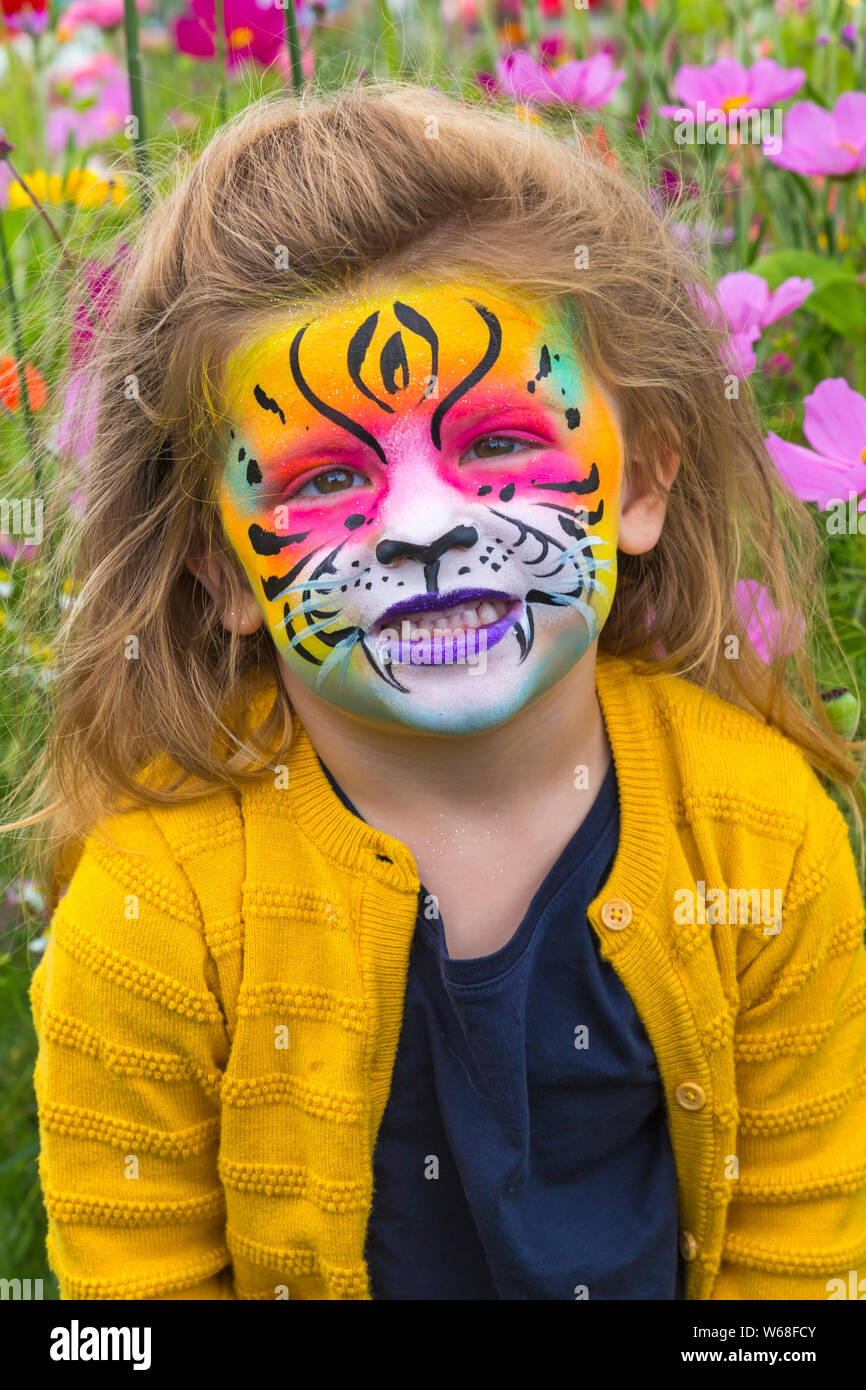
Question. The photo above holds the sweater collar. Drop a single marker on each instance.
(627, 709)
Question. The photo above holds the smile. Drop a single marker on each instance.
(443, 629)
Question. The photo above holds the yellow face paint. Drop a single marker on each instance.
(422, 483)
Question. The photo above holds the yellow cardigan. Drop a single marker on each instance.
(219, 1005)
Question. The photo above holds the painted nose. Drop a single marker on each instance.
(429, 556)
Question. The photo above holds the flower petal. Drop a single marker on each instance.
(835, 420)
(813, 477)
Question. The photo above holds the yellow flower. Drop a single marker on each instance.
(48, 188)
(842, 241)
(822, 241)
(88, 189)
(524, 113)
(84, 187)
(40, 651)
(861, 192)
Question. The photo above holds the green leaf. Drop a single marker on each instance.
(821, 270)
(841, 304)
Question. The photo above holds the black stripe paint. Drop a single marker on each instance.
(493, 349)
(328, 411)
(590, 484)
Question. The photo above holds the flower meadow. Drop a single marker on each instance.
(747, 120)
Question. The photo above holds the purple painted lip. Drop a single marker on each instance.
(436, 603)
(443, 648)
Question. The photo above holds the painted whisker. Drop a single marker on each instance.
(312, 629)
(339, 657)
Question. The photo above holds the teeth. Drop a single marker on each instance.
(474, 615)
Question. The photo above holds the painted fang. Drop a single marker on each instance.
(415, 478)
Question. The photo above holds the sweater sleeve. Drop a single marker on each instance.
(132, 1046)
(797, 1217)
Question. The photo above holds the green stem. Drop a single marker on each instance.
(18, 341)
(293, 43)
(533, 29)
(220, 55)
(136, 93)
(578, 25)
(389, 38)
(488, 28)
(42, 213)
(744, 208)
(39, 95)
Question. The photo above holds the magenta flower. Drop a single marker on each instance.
(252, 30)
(815, 141)
(835, 426)
(18, 552)
(74, 434)
(586, 82)
(727, 86)
(748, 307)
(763, 620)
(779, 364)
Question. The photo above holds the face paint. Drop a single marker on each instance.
(422, 484)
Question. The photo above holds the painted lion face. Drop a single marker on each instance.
(422, 485)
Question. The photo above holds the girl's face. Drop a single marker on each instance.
(423, 487)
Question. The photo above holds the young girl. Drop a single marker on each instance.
(447, 905)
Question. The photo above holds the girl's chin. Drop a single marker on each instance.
(449, 698)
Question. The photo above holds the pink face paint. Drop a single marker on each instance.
(422, 484)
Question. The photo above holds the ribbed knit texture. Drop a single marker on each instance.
(186, 1155)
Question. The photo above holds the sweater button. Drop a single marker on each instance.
(688, 1245)
(691, 1096)
(616, 914)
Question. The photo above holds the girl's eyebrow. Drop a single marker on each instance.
(529, 413)
(324, 435)
(301, 453)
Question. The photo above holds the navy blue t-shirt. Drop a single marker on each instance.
(524, 1151)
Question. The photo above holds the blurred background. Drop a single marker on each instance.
(748, 120)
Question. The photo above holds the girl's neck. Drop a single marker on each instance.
(534, 754)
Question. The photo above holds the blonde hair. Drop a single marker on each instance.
(345, 184)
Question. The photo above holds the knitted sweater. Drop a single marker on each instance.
(219, 1005)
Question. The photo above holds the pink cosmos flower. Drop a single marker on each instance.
(105, 14)
(815, 141)
(763, 620)
(835, 426)
(89, 103)
(19, 552)
(727, 86)
(252, 30)
(749, 307)
(586, 82)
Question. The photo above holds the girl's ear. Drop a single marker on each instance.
(642, 509)
(240, 613)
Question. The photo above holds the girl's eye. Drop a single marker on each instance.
(494, 446)
(332, 480)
